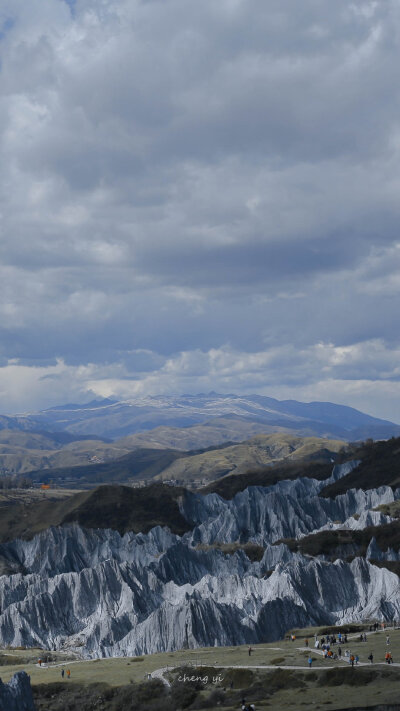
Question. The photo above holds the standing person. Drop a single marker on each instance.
(250, 651)
(339, 652)
(68, 673)
(306, 642)
(352, 659)
(356, 658)
(62, 673)
(310, 661)
(371, 657)
(387, 640)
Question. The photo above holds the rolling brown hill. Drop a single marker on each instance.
(230, 485)
(86, 463)
(121, 508)
(252, 455)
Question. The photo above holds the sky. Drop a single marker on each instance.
(200, 196)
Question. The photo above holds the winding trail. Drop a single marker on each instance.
(159, 673)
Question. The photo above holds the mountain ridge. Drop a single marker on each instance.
(119, 418)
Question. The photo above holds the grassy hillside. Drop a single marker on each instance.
(125, 509)
(21, 452)
(140, 464)
(39, 440)
(228, 486)
(118, 507)
(219, 430)
(380, 464)
(211, 463)
(252, 455)
(345, 543)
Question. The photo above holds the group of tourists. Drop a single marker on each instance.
(354, 658)
(326, 642)
(325, 645)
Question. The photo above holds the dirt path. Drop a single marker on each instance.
(159, 673)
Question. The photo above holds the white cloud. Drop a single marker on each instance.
(177, 176)
(365, 375)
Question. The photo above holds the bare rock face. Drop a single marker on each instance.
(288, 509)
(17, 694)
(105, 595)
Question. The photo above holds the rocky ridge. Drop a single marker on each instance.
(17, 694)
(104, 594)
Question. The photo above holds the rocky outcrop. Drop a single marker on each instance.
(289, 509)
(189, 597)
(375, 553)
(104, 594)
(17, 694)
(72, 548)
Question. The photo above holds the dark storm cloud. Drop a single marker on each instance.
(199, 194)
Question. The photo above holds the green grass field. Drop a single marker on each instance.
(329, 684)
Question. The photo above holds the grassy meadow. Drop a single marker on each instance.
(265, 678)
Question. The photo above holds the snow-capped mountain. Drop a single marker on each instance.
(109, 418)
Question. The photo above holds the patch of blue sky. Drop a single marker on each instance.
(71, 4)
(7, 25)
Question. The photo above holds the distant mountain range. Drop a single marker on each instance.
(222, 417)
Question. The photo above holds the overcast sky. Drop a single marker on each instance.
(200, 195)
